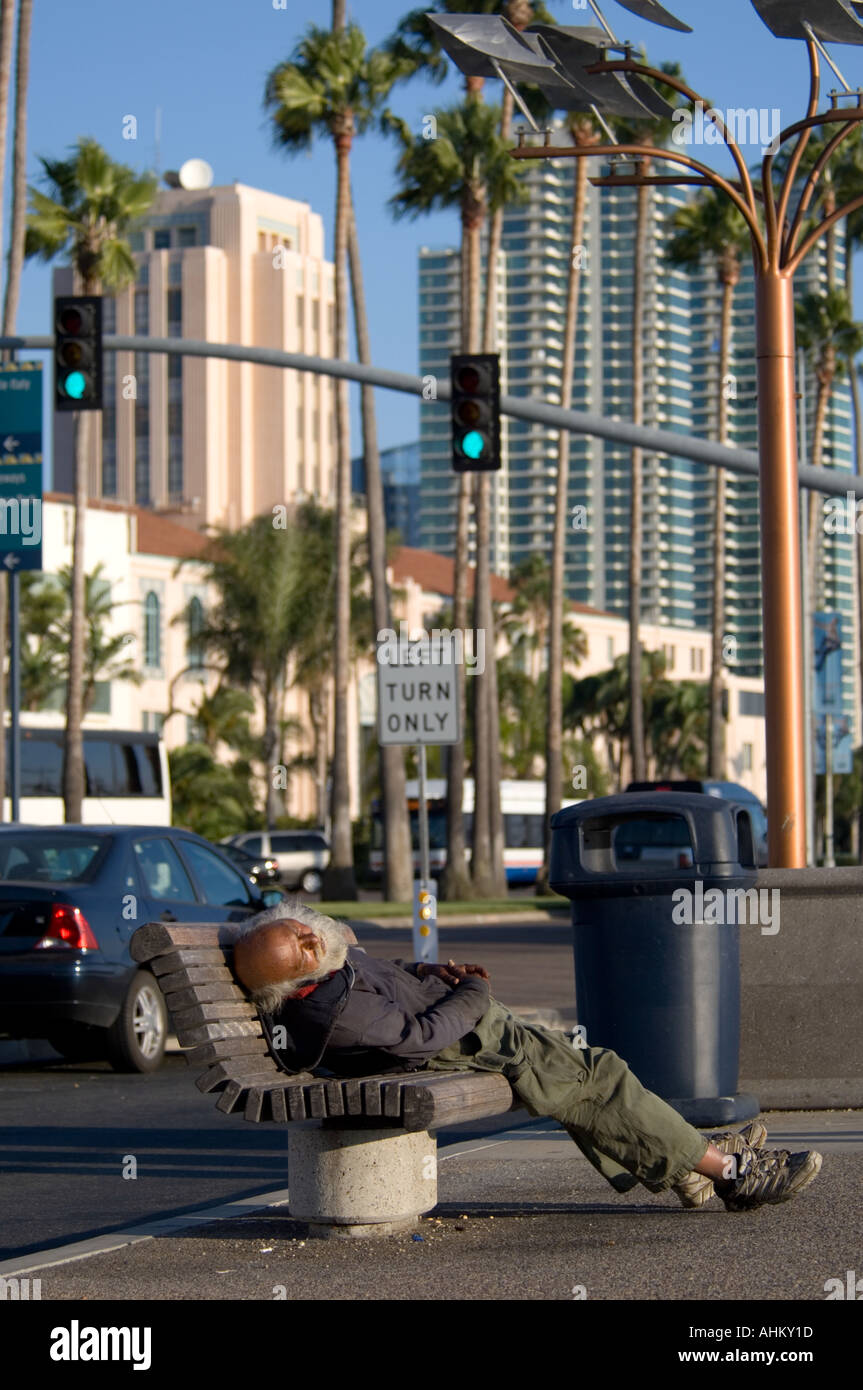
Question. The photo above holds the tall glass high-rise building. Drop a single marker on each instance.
(681, 392)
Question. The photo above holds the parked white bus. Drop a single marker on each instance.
(126, 778)
(523, 807)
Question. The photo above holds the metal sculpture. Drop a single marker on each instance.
(781, 238)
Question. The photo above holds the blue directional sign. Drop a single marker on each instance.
(21, 466)
(827, 648)
(843, 744)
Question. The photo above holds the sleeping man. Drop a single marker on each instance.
(325, 1003)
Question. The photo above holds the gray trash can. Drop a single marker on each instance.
(657, 960)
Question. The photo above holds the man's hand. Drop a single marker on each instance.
(451, 974)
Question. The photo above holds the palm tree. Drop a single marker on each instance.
(333, 86)
(467, 166)
(655, 133)
(261, 616)
(45, 608)
(416, 43)
(19, 167)
(90, 204)
(398, 857)
(712, 226)
(827, 330)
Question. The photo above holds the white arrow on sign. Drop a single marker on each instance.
(10, 443)
(11, 560)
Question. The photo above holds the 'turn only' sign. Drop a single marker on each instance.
(418, 702)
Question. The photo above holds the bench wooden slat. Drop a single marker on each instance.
(335, 1099)
(353, 1097)
(179, 960)
(316, 1103)
(296, 1102)
(371, 1097)
(156, 938)
(391, 1094)
(212, 1013)
(234, 1093)
(202, 994)
(237, 1067)
(257, 1104)
(278, 1105)
(452, 1098)
(199, 975)
(223, 1049)
(211, 1032)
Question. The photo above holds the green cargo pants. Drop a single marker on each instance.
(626, 1132)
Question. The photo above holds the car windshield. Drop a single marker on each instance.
(47, 857)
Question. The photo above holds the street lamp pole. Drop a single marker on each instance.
(776, 257)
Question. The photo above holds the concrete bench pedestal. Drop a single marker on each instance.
(360, 1181)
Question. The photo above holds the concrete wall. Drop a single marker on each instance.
(802, 992)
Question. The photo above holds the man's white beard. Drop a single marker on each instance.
(332, 954)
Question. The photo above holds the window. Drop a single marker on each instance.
(610, 648)
(670, 653)
(194, 650)
(747, 757)
(222, 886)
(162, 239)
(162, 871)
(696, 660)
(187, 236)
(751, 702)
(152, 631)
(253, 846)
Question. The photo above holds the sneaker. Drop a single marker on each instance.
(696, 1190)
(768, 1178)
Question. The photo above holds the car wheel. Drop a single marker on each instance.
(311, 881)
(136, 1038)
(78, 1043)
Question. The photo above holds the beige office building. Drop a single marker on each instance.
(202, 440)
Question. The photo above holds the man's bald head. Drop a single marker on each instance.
(278, 952)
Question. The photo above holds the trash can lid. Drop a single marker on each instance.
(638, 836)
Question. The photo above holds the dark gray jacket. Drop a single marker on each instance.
(375, 1013)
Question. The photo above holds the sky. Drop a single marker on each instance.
(203, 63)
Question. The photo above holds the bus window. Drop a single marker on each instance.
(41, 767)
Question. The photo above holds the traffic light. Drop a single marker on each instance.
(78, 352)
(475, 406)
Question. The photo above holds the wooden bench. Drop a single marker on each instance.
(361, 1151)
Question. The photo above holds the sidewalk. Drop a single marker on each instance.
(520, 1215)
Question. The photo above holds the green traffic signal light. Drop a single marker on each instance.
(473, 444)
(75, 385)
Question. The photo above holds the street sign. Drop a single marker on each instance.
(418, 700)
(21, 466)
(843, 745)
(827, 646)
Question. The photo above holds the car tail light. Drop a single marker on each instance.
(684, 860)
(68, 927)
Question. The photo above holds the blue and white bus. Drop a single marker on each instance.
(126, 778)
(523, 807)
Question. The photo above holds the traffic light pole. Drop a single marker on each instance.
(830, 481)
(14, 696)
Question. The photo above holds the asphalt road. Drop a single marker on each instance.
(68, 1130)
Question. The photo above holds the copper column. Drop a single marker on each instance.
(780, 571)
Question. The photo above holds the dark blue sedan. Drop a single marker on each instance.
(70, 898)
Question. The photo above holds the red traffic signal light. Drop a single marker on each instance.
(475, 412)
(78, 352)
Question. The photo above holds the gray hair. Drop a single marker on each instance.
(335, 938)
